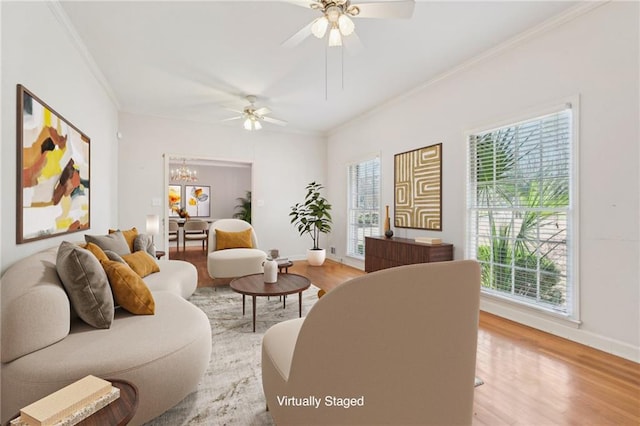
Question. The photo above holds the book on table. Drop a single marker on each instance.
(75, 401)
(428, 240)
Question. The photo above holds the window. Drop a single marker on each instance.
(519, 206)
(363, 204)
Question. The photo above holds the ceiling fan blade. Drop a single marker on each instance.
(275, 121)
(305, 3)
(231, 119)
(262, 111)
(237, 111)
(299, 37)
(391, 9)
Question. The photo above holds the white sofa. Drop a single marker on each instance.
(395, 347)
(45, 346)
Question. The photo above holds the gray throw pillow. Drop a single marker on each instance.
(86, 284)
(112, 255)
(114, 242)
(144, 242)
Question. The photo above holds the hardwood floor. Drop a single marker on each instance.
(531, 377)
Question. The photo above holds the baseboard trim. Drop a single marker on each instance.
(552, 326)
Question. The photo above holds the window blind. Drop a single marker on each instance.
(519, 210)
(363, 204)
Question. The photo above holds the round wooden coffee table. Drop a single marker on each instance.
(254, 285)
(120, 411)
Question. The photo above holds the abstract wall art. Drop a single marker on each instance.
(197, 200)
(53, 164)
(418, 188)
(175, 200)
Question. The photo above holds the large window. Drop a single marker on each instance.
(363, 204)
(519, 206)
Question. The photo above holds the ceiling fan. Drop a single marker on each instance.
(337, 14)
(252, 116)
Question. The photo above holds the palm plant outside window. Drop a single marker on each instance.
(363, 204)
(519, 206)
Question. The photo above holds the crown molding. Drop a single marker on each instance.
(544, 27)
(65, 22)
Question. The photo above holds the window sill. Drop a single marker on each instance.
(534, 316)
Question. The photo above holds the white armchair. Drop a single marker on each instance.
(237, 261)
(397, 345)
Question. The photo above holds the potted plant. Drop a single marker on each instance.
(312, 217)
(244, 208)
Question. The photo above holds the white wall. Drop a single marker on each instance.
(594, 56)
(38, 53)
(282, 165)
(226, 182)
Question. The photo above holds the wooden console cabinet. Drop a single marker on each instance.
(382, 253)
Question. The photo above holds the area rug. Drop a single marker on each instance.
(230, 393)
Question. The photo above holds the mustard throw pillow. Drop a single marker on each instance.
(129, 291)
(141, 263)
(97, 251)
(129, 236)
(228, 240)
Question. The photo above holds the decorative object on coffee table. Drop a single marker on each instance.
(254, 285)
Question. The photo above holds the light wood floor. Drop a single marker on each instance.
(531, 377)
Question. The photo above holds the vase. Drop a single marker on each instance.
(270, 271)
(387, 225)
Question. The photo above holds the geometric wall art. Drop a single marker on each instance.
(418, 188)
(53, 172)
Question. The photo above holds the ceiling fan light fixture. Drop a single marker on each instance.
(247, 124)
(346, 25)
(319, 27)
(335, 38)
(257, 125)
(333, 13)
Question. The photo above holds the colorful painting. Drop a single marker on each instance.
(175, 199)
(197, 200)
(54, 171)
(418, 188)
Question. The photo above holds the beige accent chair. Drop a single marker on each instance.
(196, 230)
(174, 231)
(401, 342)
(235, 262)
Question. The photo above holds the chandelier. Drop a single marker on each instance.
(184, 174)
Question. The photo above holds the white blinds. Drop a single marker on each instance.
(519, 210)
(363, 204)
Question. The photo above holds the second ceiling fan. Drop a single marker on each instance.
(337, 14)
(253, 116)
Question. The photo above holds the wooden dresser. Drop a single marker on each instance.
(382, 253)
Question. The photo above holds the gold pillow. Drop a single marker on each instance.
(129, 290)
(141, 263)
(129, 236)
(228, 240)
(97, 251)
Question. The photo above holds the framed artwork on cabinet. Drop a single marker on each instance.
(418, 188)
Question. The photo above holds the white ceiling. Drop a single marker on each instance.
(190, 60)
